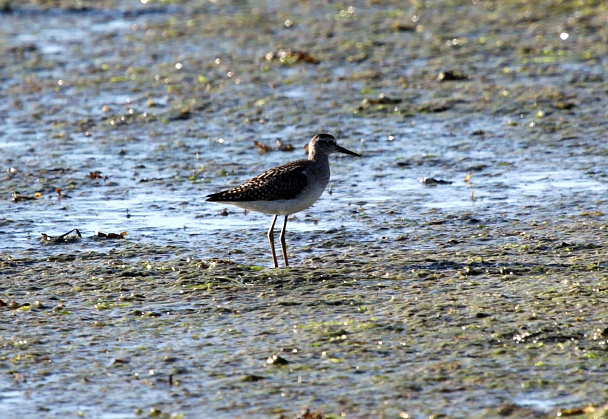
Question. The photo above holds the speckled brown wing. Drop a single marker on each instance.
(282, 182)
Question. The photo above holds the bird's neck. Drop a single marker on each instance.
(321, 158)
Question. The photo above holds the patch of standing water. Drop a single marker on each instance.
(175, 215)
(11, 400)
(542, 401)
(513, 188)
(48, 31)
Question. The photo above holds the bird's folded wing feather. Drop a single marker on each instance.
(282, 182)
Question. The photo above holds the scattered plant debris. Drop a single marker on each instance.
(96, 175)
(263, 147)
(276, 360)
(60, 194)
(399, 26)
(307, 414)
(17, 197)
(452, 75)
(64, 238)
(291, 57)
(280, 146)
(284, 147)
(13, 305)
(429, 181)
(577, 411)
(381, 100)
(110, 235)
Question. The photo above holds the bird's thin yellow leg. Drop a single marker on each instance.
(282, 238)
(271, 240)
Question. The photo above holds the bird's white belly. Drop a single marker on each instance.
(309, 196)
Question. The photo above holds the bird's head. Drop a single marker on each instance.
(326, 144)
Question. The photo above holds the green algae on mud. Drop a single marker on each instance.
(476, 299)
(479, 323)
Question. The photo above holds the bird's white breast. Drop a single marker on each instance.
(309, 195)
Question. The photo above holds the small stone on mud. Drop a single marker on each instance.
(252, 378)
(276, 360)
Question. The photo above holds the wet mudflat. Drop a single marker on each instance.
(482, 295)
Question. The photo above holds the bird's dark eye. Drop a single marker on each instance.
(331, 142)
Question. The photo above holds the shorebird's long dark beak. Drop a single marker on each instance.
(346, 151)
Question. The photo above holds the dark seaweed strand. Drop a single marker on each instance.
(282, 182)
